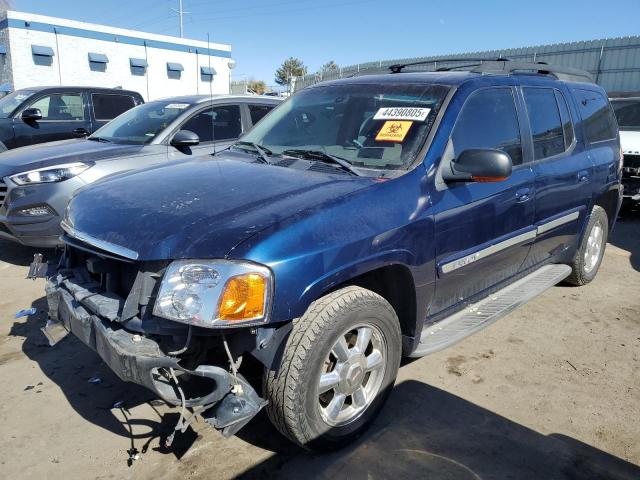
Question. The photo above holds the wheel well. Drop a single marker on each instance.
(395, 284)
(609, 202)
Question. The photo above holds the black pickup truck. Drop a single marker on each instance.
(46, 114)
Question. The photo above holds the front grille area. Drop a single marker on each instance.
(3, 192)
(116, 290)
(631, 165)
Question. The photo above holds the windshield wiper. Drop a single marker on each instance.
(99, 139)
(320, 156)
(263, 152)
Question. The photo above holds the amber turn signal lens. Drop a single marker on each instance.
(243, 298)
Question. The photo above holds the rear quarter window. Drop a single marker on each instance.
(109, 106)
(598, 120)
(258, 112)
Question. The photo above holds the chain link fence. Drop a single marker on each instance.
(613, 62)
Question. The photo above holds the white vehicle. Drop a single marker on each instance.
(627, 110)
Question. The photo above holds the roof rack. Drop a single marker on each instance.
(506, 66)
(560, 72)
(398, 67)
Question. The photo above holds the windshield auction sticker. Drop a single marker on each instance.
(402, 113)
(177, 105)
(393, 131)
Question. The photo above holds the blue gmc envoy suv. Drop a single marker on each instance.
(363, 220)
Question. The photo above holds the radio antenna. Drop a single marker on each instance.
(213, 121)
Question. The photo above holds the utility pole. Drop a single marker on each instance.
(181, 14)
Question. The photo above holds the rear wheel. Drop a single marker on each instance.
(339, 364)
(588, 257)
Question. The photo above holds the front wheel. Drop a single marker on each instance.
(588, 257)
(339, 365)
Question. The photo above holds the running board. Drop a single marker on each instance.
(479, 315)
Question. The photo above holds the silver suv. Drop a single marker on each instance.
(37, 182)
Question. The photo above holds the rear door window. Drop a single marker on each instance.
(597, 116)
(109, 106)
(489, 120)
(546, 125)
(259, 111)
(222, 123)
(61, 106)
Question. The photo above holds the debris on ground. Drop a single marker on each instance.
(27, 312)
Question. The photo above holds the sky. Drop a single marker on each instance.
(263, 33)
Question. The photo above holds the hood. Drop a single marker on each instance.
(201, 208)
(630, 141)
(56, 153)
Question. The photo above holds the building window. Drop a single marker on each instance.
(98, 62)
(207, 73)
(174, 70)
(42, 55)
(138, 66)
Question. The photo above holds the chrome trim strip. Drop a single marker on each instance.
(545, 227)
(101, 244)
(485, 252)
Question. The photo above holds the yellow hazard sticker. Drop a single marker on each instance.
(393, 131)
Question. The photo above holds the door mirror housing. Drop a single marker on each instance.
(480, 165)
(31, 114)
(185, 138)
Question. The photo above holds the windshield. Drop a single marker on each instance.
(10, 102)
(627, 113)
(372, 126)
(141, 124)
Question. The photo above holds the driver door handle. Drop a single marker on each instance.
(523, 195)
(81, 132)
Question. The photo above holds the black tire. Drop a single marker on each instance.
(293, 391)
(580, 273)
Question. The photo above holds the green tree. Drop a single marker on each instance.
(330, 66)
(257, 86)
(290, 68)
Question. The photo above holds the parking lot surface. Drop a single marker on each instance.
(551, 391)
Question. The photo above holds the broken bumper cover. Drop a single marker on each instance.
(230, 403)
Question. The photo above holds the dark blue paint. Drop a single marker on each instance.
(317, 230)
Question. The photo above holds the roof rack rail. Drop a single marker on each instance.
(398, 67)
(506, 66)
(560, 72)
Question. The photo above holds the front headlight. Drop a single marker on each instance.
(54, 174)
(215, 293)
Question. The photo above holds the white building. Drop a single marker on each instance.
(36, 50)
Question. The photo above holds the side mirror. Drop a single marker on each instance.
(185, 138)
(31, 114)
(480, 165)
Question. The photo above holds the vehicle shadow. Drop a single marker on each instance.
(425, 432)
(19, 255)
(626, 235)
(94, 391)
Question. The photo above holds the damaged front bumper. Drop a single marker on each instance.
(225, 400)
